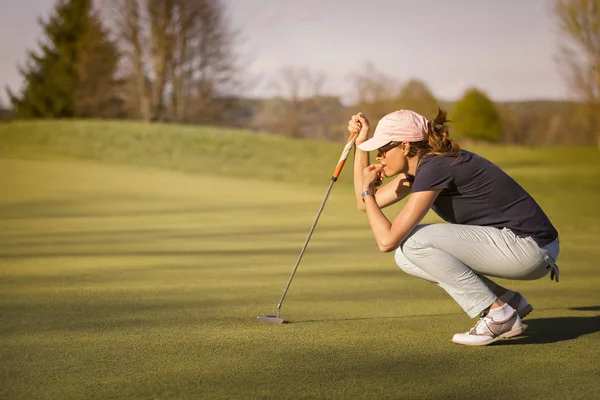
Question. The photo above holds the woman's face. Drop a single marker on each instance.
(394, 159)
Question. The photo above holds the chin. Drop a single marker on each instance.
(389, 172)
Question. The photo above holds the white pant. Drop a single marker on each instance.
(456, 257)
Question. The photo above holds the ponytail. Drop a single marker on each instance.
(438, 141)
(438, 136)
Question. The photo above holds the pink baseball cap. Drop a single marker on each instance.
(398, 126)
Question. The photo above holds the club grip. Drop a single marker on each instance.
(344, 156)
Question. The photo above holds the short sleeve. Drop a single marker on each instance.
(434, 173)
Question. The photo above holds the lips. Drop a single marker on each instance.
(383, 170)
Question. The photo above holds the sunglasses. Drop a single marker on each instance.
(384, 149)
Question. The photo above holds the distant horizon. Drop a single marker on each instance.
(6, 105)
(525, 100)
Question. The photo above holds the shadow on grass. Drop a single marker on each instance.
(586, 308)
(282, 251)
(99, 314)
(552, 330)
(87, 208)
(539, 331)
(370, 318)
(128, 235)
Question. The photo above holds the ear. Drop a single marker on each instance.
(405, 147)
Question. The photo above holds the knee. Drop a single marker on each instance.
(415, 241)
(403, 263)
(407, 266)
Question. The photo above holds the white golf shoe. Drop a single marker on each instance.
(487, 331)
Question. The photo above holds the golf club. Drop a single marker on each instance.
(276, 319)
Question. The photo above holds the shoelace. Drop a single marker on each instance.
(481, 327)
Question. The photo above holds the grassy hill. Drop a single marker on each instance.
(185, 148)
(135, 258)
(220, 151)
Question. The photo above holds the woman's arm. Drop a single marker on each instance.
(388, 194)
(359, 124)
(390, 235)
(361, 161)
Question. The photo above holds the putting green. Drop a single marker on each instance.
(133, 282)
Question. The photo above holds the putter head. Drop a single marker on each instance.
(271, 319)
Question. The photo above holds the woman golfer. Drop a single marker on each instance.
(494, 227)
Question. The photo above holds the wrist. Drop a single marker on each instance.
(367, 193)
(358, 142)
(369, 187)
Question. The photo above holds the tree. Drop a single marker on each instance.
(284, 114)
(4, 112)
(291, 83)
(475, 117)
(416, 96)
(511, 125)
(96, 92)
(72, 74)
(579, 58)
(300, 108)
(178, 57)
(375, 92)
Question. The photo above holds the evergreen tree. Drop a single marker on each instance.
(72, 74)
(475, 117)
(96, 91)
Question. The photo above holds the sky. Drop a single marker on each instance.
(505, 48)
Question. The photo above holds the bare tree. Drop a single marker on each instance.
(180, 55)
(291, 82)
(291, 85)
(161, 44)
(4, 111)
(204, 68)
(325, 114)
(300, 108)
(375, 92)
(579, 57)
(127, 21)
(180, 71)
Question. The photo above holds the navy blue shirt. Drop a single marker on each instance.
(477, 192)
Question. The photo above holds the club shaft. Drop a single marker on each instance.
(312, 228)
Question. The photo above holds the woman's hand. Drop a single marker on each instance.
(372, 176)
(359, 124)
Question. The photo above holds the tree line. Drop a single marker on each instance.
(175, 61)
(474, 117)
(154, 60)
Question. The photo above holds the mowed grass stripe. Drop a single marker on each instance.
(167, 309)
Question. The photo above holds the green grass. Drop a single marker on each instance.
(184, 148)
(135, 258)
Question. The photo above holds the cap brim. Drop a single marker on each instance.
(373, 144)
